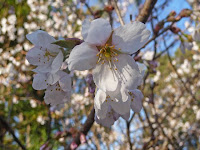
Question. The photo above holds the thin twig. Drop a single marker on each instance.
(85, 128)
(10, 130)
(118, 12)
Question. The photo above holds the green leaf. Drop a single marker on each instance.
(69, 43)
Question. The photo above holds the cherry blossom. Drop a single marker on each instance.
(108, 109)
(107, 53)
(60, 92)
(46, 56)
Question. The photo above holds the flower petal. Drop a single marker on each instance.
(40, 81)
(104, 78)
(52, 78)
(65, 82)
(55, 96)
(99, 32)
(85, 28)
(126, 116)
(101, 107)
(120, 107)
(57, 62)
(43, 68)
(83, 57)
(40, 38)
(128, 72)
(36, 57)
(136, 104)
(130, 37)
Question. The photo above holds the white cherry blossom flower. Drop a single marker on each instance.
(45, 55)
(110, 118)
(103, 103)
(60, 92)
(107, 53)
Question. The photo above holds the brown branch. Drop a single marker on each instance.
(118, 12)
(85, 128)
(146, 10)
(10, 130)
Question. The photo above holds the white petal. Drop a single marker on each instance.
(99, 32)
(40, 38)
(57, 62)
(101, 107)
(40, 81)
(120, 94)
(142, 68)
(36, 57)
(136, 105)
(43, 68)
(85, 28)
(82, 57)
(128, 72)
(54, 95)
(120, 107)
(52, 78)
(104, 78)
(126, 116)
(130, 37)
(107, 122)
(65, 82)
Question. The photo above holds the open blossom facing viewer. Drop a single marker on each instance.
(107, 53)
(115, 72)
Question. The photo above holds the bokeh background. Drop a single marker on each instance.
(170, 118)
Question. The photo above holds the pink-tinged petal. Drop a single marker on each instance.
(128, 72)
(136, 104)
(100, 104)
(99, 32)
(57, 62)
(65, 82)
(83, 57)
(105, 78)
(36, 57)
(54, 95)
(85, 28)
(40, 38)
(40, 81)
(130, 37)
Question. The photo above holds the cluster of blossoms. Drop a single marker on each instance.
(115, 73)
(48, 58)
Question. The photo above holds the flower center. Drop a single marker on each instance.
(108, 54)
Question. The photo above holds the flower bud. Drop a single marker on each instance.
(185, 13)
(175, 30)
(108, 8)
(158, 27)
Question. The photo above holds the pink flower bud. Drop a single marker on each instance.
(82, 138)
(73, 145)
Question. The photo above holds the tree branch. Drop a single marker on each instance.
(10, 130)
(85, 128)
(146, 10)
